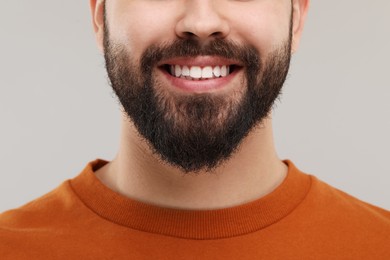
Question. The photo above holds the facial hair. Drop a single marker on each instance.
(200, 131)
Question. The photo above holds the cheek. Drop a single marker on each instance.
(137, 25)
(265, 29)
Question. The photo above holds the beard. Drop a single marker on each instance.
(198, 131)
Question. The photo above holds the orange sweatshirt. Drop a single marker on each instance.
(303, 218)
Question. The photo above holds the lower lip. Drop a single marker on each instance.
(201, 86)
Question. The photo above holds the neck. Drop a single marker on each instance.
(252, 172)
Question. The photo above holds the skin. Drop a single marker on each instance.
(255, 170)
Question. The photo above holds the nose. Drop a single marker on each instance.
(202, 20)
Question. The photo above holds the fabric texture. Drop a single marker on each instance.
(303, 218)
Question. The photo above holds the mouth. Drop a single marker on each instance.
(202, 74)
(207, 72)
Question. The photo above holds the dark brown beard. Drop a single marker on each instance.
(195, 132)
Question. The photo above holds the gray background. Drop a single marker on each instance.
(57, 111)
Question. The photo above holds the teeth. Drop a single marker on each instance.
(185, 71)
(177, 71)
(197, 72)
(223, 71)
(216, 71)
(207, 72)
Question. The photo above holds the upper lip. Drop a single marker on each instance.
(200, 61)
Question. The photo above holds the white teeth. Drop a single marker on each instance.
(177, 71)
(216, 71)
(207, 72)
(224, 71)
(185, 71)
(196, 72)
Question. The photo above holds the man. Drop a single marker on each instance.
(196, 175)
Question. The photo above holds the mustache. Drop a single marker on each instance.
(245, 54)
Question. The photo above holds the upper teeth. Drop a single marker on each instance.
(197, 72)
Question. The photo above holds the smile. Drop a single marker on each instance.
(199, 72)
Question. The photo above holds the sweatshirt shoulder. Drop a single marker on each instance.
(43, 211)
(337, 202)
(334, 223)
(52, 218)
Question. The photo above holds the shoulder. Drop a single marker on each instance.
(35, 224)
(330, 197)
(332, 222)
(342, 216)
(332, 205)
(38, 211)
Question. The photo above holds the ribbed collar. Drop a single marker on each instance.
(191, 224)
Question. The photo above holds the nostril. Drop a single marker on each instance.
(189, 34)
(216, 34)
